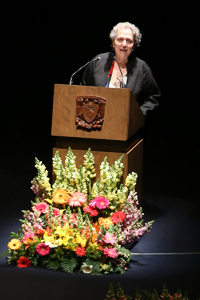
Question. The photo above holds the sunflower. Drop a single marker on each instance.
(60, 197)
(14, 244)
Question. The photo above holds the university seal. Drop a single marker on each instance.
(90, 112)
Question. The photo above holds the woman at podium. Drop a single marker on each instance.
(122, 69)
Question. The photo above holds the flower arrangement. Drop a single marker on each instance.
(79, 222)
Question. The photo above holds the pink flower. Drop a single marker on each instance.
(74, 218)
(109, 238)
(56, 211)
(101, 202)
(92, 203)
(77, 199)
(92, 211)
(111, 252)
(27, 235)
(41, 207)
(42, 249)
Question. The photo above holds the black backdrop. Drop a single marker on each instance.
(43, 45)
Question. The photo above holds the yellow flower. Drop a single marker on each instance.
(49, 238)
(94, 246)
(60, 242)
(14, 244)
(81, 240)
(64, 233)
(103, 266)
(60, 197)
(112, 207)
(66, 239)
(61, 231)
(71, 247)
(48, 200)
(106, 222)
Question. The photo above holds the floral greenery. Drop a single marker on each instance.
(144, 294)
(78, 222)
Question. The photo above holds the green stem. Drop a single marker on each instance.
(89, 189)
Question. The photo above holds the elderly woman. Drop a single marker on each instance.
(121, 68)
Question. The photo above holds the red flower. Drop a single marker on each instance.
(118, 216)
(23, 262)
(92, 211)
(80, 251)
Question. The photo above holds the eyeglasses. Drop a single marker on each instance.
(122, 40)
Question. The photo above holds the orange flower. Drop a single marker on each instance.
(106, 222)
(60, 197)
(40, 232)
(48, 230)
(14, 244)
(94, 237)
(96, 226)
(28, 242)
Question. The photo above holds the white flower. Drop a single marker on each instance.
(50, 244)
(9, 259)
(86, 269)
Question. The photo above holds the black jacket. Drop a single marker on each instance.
(139, 79)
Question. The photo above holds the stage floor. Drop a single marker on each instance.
(169, 254)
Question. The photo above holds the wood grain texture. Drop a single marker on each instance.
(123, 117)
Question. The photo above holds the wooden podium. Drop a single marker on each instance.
(120, 133)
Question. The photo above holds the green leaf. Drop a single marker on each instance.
(5, 253)
(57, 253)
(16, 235)
(69, 264)
(52, 264)
(120, 270)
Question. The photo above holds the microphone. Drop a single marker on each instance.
(97, 58)
(122, 82)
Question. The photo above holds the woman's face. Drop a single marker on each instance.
(123, 44)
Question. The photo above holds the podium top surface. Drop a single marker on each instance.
(122, 118)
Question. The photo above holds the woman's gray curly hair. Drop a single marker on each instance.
(137, 36)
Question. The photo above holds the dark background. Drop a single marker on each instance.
(43, 45)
